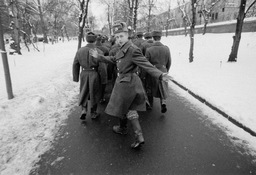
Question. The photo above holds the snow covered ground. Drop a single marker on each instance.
(45, 94)
(229, 86)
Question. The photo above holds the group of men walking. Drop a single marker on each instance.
(139, 68)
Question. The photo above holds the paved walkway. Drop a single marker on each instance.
(178, 142)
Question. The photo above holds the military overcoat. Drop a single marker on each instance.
(138, 42)
(159, 55)
(103, 66)
(128, 92)
(146, 45)
(89, 76)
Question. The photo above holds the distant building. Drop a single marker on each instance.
(224, 10)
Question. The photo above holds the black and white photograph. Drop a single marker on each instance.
(128, 87)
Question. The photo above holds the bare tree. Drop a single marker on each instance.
(206, 12)
(83, 7)
(136, 6)
(192, 30)
(42, 21)
(239, 26)
(14, 24)
(64, 31)
(146, 8)
(110, 13)
(131, 4)
(185, 17)
(5, 60)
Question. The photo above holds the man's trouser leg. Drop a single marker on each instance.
(83, 113)
(94, 114)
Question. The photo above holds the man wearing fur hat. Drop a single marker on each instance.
(128, 95)
(138, 42)
(89, 77)
(159, 55)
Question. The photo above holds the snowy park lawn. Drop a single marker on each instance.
(45, 94)
(228, 86)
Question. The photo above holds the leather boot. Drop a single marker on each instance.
(163, 105)
(139, 139)
(83, 113)
(94, 114)
(122, 127)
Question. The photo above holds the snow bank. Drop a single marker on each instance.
(44, 95)
(229, 86)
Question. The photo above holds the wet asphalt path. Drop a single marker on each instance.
(178, 142)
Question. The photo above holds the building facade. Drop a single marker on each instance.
(223, 10)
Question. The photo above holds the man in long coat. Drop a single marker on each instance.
(128, 95)
(146, 78)
(159, 56)
(102, 67)
(148, 42)
(89, 77)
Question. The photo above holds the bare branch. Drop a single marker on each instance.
(250, 7)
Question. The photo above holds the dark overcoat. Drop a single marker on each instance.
(138, 42)
(89, 76)
(112, 71)
(103, 66)
(107, 44)
(128, 92)
(159, 55)
(143, 73)
(146, 45)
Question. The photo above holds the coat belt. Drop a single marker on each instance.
(90, 69)
(126, 74)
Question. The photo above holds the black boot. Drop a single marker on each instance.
(139, 139)
(122, 127)
(163, 108)
(83, 113)
(163, 105)
(94, 114)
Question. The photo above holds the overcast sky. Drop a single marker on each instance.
(97, 9)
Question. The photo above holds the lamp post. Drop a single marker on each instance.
(5, 63)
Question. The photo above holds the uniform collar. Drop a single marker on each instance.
(98, 44)
(126, 46)
(90, 45)
(150, 41)
(157, 43)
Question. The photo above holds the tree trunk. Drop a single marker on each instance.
(135, 15)
(149, 15)
(82, 17)
(15, 26)
(237, 37)
(5, 62)
(42, 22)
(192, 31)
(205, 26)
(109, 22)
(131, 8)
(66, 32)
(185, 26)
(80, 37)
